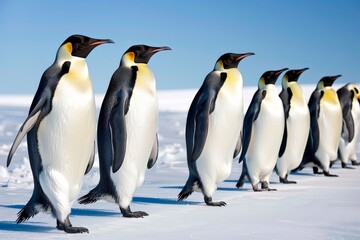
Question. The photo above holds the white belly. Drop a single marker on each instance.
(66, 138)
(330, 123)
(225, 124)
(141, 125)
(298, 124)
(267, 133)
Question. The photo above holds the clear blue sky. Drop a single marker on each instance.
(323, 35)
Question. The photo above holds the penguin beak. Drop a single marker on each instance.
(300, 71)
(277, 73)
(97, 42)
(158, 49)
(335, 77)
(244, 55)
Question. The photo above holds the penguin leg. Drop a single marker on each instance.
(327, 174)
(209, 202)
(316, 170)
(265, 186)
(67, 227)
(343, 165)
(126, 212)
(285, 180)
(256, 188)
(355, 163)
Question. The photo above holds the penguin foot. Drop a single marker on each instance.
(265, 187)
(126, 212)
(327, 174)
(68, 228)
(355, 163)
(286, 181)
(343, 165)
(209, 202)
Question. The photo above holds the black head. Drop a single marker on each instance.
(294, 74)
(143, 53)
(270, 77)
(81, 46)
(327, 81)
(231, 60)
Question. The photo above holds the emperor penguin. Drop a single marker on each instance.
(263, 130)
(325, 127)
(213, 128)
(126, 134)
(349, 97)
(60, 132)
(297, 125)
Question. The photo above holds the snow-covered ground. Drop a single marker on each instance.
(316, 208)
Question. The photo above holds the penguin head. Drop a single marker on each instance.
(80, 45)
(292, 76)
(270, 77)
(140, 54)
(230, 60)
(327, 81)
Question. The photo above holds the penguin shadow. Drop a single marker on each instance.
(24, 227)
(164, 201)
(76, 211)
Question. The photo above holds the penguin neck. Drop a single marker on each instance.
(270, 89)
(297, 91)
(78, 73)
(234, 79)
(145, 79)
(330, 95)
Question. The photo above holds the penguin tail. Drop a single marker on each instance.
(26, 213)
(185, 193)
(38, 202)
(188, 189)
(91, 197)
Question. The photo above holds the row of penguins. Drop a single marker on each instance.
(292, 134)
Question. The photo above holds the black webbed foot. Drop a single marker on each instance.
(265, 187)
(126, 212)
(286, 181)
(327, 174)
(209, 202)
(68, 228)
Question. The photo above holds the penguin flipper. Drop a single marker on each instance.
(250, 117)
(118, 132)
(349, 121)
(26, 127)
(154, 153)
(202, 112)
(314, 108)
(91, 161)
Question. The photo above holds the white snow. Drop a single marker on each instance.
(317, 207)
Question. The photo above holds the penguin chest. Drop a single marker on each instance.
(225, 124)
(266, 137)
(298, 124)
(330, 124)
(141, 126)
(66, 135)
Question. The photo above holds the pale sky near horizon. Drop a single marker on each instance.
(323, 35)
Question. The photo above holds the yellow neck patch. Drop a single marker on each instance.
(330, 95)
